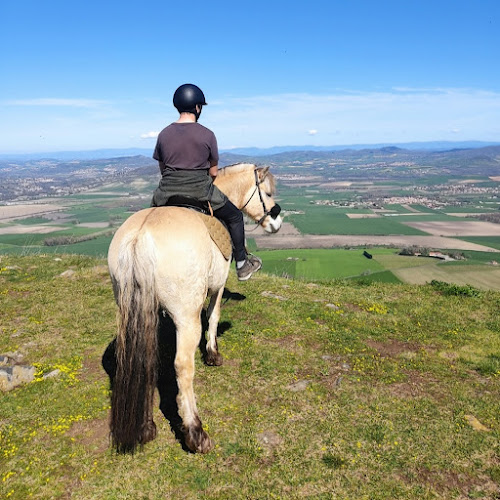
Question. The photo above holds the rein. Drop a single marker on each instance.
(274, 212)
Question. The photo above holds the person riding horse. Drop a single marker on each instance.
(188, 158)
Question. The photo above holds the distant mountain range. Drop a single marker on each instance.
(251, 151)
(23, 179)
(418, 146)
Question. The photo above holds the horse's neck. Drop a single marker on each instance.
(234, 187)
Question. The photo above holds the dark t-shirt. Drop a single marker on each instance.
(186, 146)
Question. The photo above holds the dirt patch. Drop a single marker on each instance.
(353, 307)
(94, 225)
(11, 212)
(464, 215)
(393, 348)
(364, 216)
(417, 385)
(338, 184)
(92, 367)
(459, 228)
(290, 343)
(287, 241)
(20, 229)
(286, 229)
(269, 439)
(484, 279)
(411, 209)
(92, 434)
(444, 482)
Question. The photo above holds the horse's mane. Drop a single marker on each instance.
(238, 168)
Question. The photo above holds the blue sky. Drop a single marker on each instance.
(101, 74)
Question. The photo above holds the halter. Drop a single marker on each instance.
(274, 212)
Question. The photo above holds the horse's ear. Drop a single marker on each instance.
(262, 172)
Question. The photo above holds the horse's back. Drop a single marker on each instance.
(158, 221)
(177, 241)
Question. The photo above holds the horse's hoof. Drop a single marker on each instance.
(213, 359)
(197, 440)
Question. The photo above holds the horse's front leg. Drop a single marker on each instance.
(213, 357)
(188, 339)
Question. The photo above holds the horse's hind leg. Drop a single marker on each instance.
(188, 339)
(213, 358)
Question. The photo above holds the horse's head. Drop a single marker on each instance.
(252, 190)
(261, 205)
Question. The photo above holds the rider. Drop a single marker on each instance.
(187, 154)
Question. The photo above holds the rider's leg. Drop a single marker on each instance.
(233, 218)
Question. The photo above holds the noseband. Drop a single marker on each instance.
(274, 212)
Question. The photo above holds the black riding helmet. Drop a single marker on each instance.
(187, 96)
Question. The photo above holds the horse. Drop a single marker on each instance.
(162, 260)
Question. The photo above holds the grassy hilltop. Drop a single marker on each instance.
(344, 390)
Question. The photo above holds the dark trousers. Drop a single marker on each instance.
(233, 218)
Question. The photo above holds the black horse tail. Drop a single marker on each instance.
(134, 382)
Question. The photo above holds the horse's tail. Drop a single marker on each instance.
(136, 345)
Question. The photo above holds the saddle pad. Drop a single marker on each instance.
(219, 234)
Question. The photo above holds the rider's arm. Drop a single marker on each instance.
(213, 171)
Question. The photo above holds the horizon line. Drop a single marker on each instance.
(302, 147)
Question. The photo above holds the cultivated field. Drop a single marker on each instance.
(459, 228)
(482, 277)
(21, 210)
(321, 218)
(279, 241)
(31, 229)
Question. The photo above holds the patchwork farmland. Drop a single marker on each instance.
(331, 216)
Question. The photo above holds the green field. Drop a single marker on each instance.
(96, 247)
(109, 210)
(490, 241)
(319, 264)
(385, 266)
(329, 220)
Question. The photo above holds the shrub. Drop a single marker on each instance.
(454, 289)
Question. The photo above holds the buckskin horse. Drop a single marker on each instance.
(163, 259)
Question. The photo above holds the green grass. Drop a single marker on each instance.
(378, 277)
(327, 220)
(386, 266)
(28, 221)
(318, 264)
(97, 247)
(426, 218)
(27, 239)
(489, 241)
(391, 376)
(468, 209)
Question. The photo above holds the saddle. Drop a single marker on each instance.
(178, 200)
(217, 230)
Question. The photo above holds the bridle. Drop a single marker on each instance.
(274, 212)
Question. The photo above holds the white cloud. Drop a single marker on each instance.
(342, 117)
(150, 135)
(397, 115)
